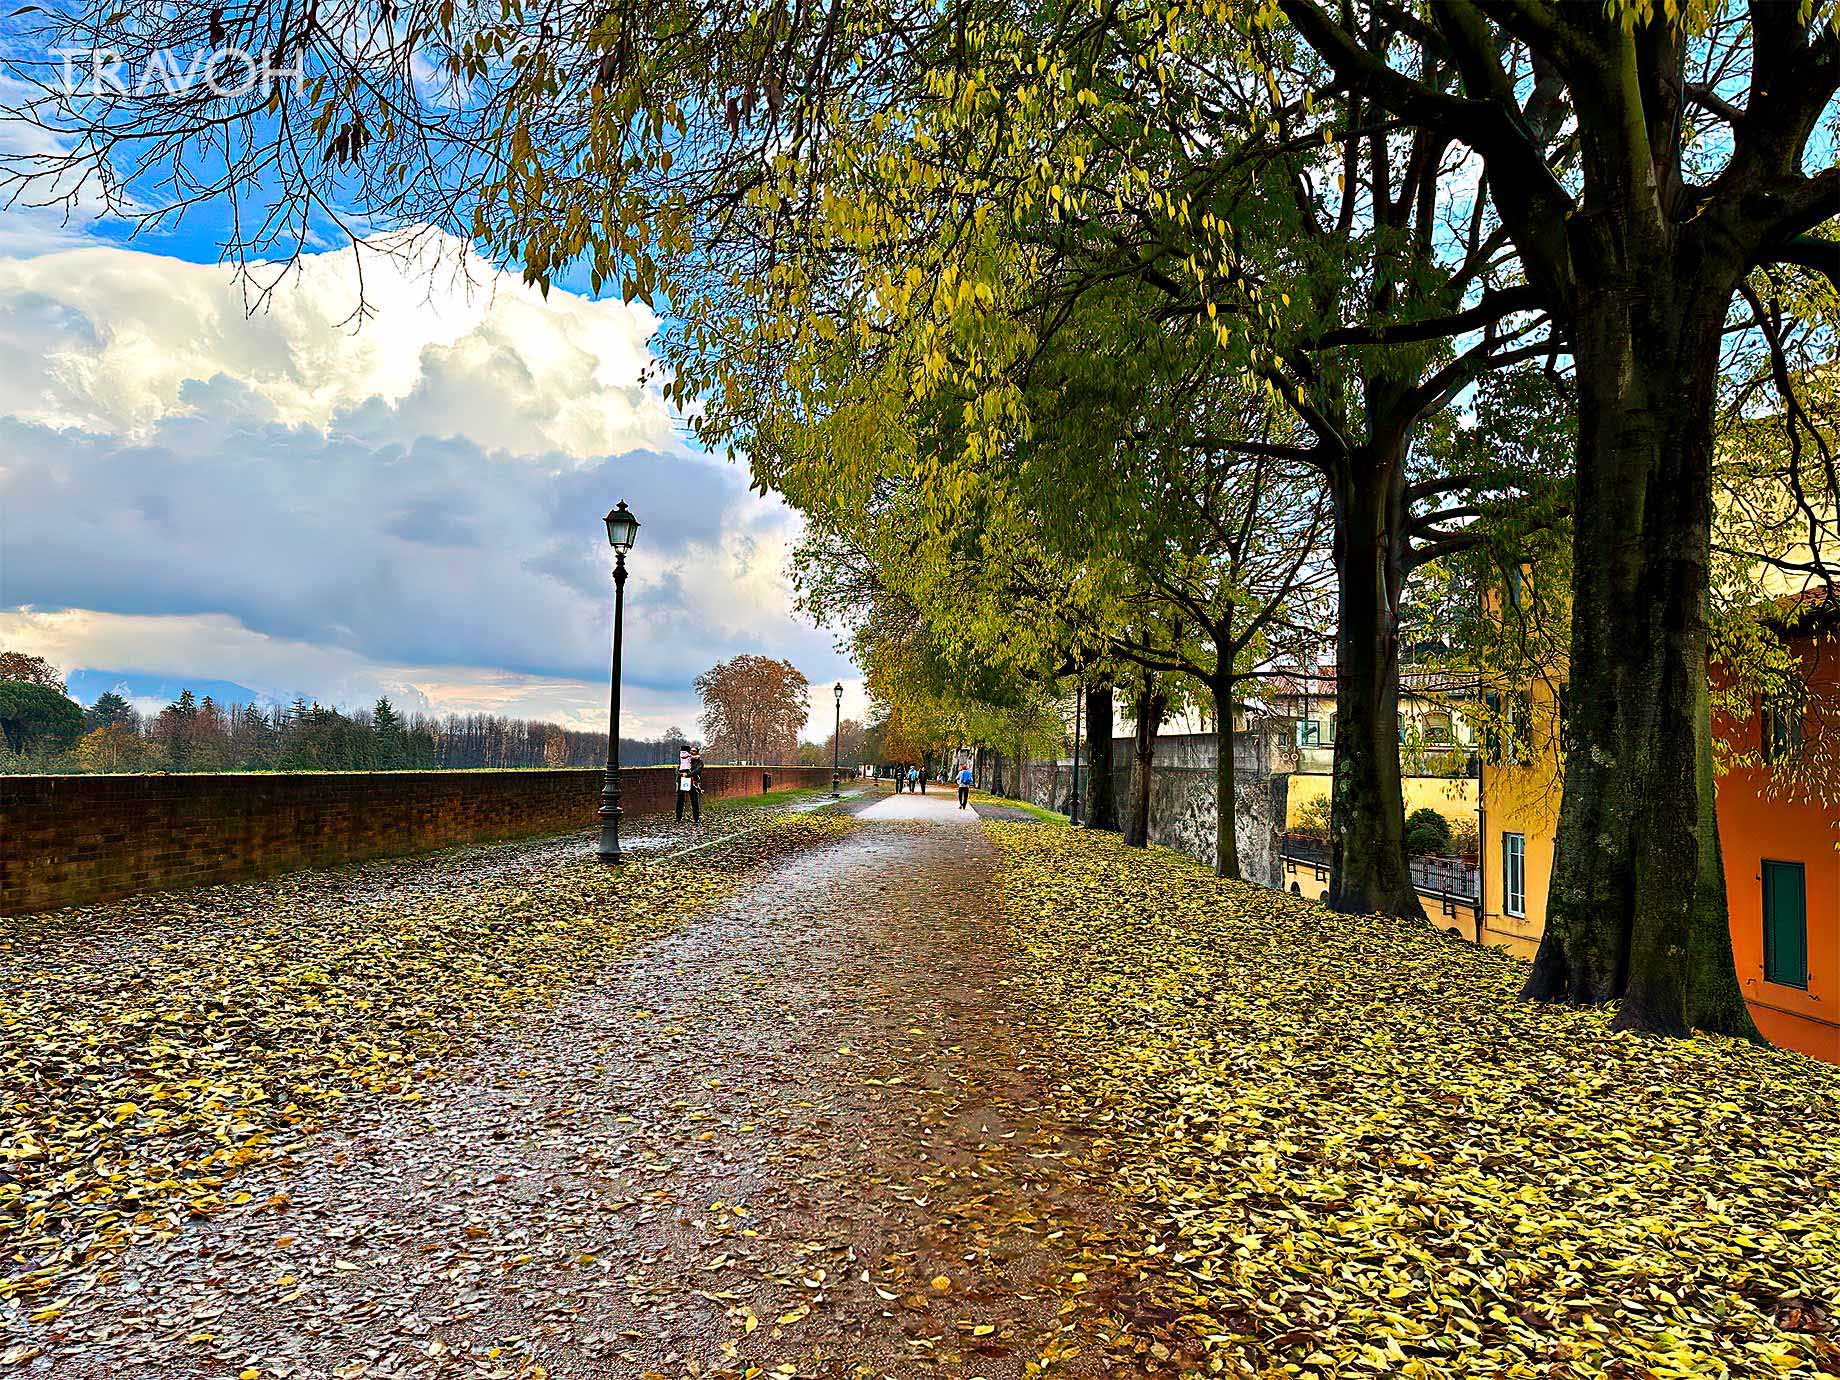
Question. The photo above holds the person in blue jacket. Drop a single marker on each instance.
(964, 785)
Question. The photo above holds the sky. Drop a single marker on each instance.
(285, 501)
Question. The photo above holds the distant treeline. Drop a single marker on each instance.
(193, 734)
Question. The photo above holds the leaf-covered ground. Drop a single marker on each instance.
(791, 1136)
(154, 1049)
(901, 1098)
(1355, 1152)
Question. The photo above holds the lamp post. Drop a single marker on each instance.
(622, 529)
(1073, 807)
(837, 748)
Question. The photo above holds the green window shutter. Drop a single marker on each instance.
(1785, 924)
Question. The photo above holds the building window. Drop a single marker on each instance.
(1508, 728)
(1520, 727)
(1785, 924)
(1315, 732)
(1514, 874)
(1782, 727)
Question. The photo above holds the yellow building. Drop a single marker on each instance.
(1521, 776)
(1454, 797)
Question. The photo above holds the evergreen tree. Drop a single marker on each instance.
(387, 728)
(108, 710)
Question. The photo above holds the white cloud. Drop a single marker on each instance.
(450, 348)
(278, 668)
(299, 504)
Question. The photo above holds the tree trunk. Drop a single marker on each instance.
(1368, 871)
(1101, 795)
(1637, 904)
(1148, 709)
(996, 772)
(1226, 797)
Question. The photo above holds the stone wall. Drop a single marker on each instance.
(69, 840)
(1182, 795)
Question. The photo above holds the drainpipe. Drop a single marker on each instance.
(1482, 851)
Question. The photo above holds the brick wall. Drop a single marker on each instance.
(68, 840)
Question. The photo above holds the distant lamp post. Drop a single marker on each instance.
(1073, 806)
(622, 530)
(837, 747)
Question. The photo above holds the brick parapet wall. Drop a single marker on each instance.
(70, 840)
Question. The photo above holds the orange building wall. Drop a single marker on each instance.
(1753, 825)
(1756, 824)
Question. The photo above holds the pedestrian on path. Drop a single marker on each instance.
(913, 779)
(964, 785)
(690, 783)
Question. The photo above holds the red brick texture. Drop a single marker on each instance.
(70, 840)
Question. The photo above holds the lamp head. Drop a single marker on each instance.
(622, 528)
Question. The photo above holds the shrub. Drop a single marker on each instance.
(1427, 831)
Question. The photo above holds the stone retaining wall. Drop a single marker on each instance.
(1182, 796)
(70, 840)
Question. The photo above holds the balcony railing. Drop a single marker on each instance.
(1451, 882)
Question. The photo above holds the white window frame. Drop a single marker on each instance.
(1514, 875)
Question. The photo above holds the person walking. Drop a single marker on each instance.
(913, 779)
(964, 785)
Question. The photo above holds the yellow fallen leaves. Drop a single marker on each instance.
(152, 1049)
(1354, 1151)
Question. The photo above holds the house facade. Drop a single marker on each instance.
(1779, 833)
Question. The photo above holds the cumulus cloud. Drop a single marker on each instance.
(448, 347)
(411, 503)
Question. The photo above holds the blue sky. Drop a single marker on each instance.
(280, 500)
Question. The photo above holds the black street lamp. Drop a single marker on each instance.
(622, 530)
(1073, 807)
(837, 748)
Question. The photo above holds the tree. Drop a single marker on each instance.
(753, 709)
(175, 731)
(846, 740)
(387, 725)
(37, 718)
(31, 670)
(1646, 163)
(1149, 704)
(109, 710)
(114, 747)
(1101, 788)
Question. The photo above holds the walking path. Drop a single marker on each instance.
(936, 806)
(793, 1137)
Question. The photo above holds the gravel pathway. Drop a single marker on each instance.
(796, 1136)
